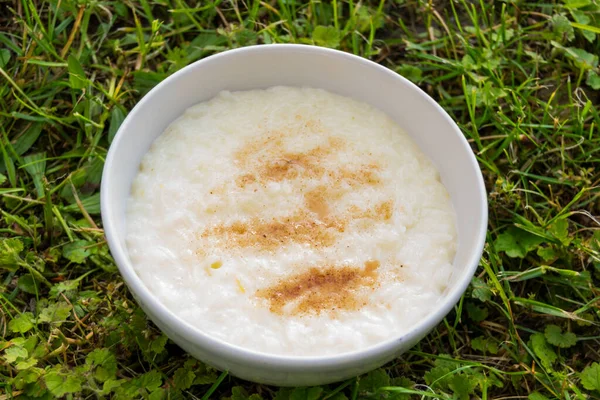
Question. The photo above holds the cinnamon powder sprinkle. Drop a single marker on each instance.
(322, 290)
(316, 200)
(301, 227)
(271, 234)
(268, 161)
(280, 166)
(318, 290)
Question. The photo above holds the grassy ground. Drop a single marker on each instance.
(522, 80)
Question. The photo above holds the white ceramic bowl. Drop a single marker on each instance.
(296, 65)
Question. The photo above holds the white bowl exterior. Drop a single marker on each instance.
(265, 66)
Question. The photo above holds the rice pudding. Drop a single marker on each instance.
(291, 221)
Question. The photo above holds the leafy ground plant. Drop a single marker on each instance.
(521, 79)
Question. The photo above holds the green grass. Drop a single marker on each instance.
(521, 79)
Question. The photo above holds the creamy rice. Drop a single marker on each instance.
(291, 221)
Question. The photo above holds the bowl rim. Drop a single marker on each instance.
(195, 335)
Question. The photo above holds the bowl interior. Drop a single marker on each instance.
(295, 65)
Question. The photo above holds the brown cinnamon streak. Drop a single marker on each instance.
(324, 289)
